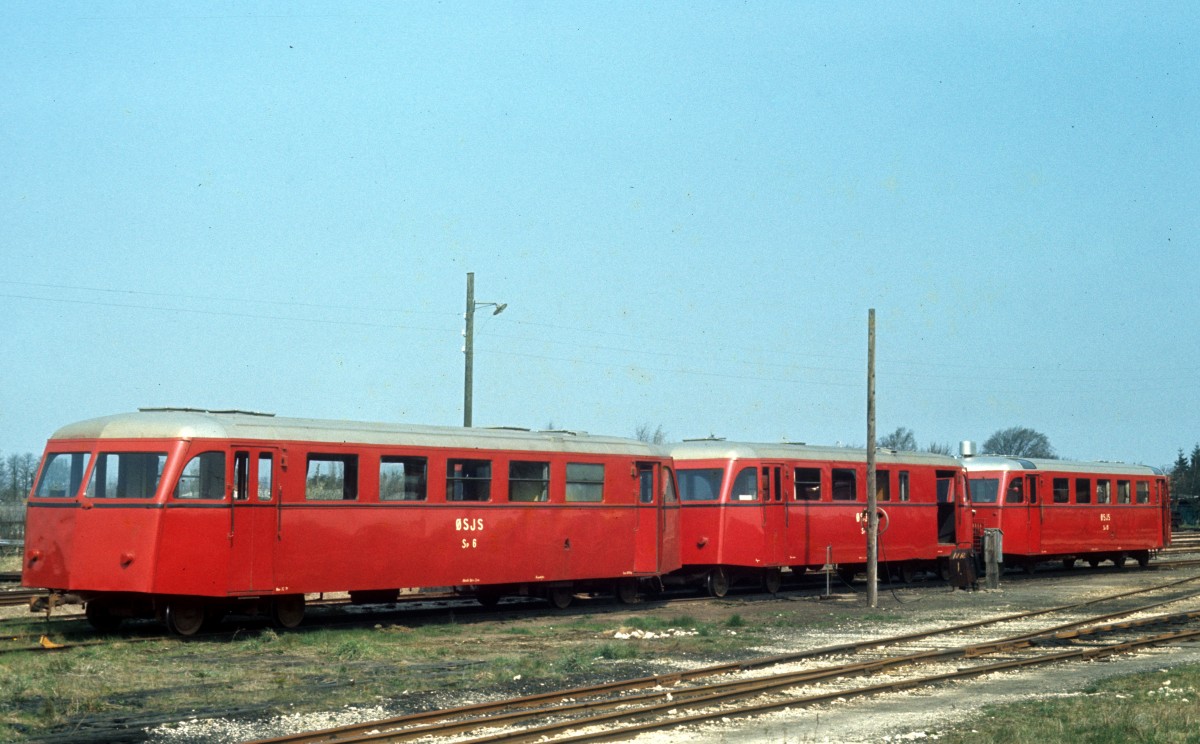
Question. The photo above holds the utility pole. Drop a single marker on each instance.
(469, 343)
(872, 513)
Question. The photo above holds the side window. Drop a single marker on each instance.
(1143, 492)
(670, 495)
(585, 481)
(528, 481)
(241, 475)
(808, 484)
(331, 478)
(203, 477)
(126, 475)
(1062, 490)
(468, 480)
(845, 487)
(402, 478)
(903, 485)
(1123, 492)
(700, 485)
(264, 476)
(1103, 492)
(1033, 488)
(883, 485)
(745, 486)
(984, 490)
(1016, 491)
(945, 486)
(645, 485)
(1083, 490)
(62, 475)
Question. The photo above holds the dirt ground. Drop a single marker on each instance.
(815, 622)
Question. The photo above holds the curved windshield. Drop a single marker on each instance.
(62, 474)
(702, 484)
(745, 486)
(126, 475)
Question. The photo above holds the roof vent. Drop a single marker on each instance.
(966, 448)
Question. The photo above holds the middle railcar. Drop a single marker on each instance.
(749, 510)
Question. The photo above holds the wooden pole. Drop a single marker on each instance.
(469, 349)
(872, 512)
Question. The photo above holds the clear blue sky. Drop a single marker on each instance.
(688, 207)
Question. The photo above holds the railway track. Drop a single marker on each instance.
(623, 709)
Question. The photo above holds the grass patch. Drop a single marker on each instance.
(1154, 707)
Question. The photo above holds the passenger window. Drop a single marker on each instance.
(62, 475)
(528, 481)
(264, 476)
(1083, 490)
(883, 485)
(745, 486)
(903, 485)
(1062, 490)
(1103, 492)
(1123, 492)
(468, 480)
(700, 485)
(845, 486)
(331, 478)
(1143, 492)
(808, 484)
(126, 475)
(1016, 491)
(402, 478)
(984, 490)
(585, 481)
(203, 477)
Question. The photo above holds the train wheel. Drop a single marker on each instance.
(1068, 563)
(1142, 557)
(487, 597)
(717, 583)
(287, 611)
(907, 573)
(1028, 565)
(100, 616)
(561, 597)
(1094, 562)
(1119, 560)
(847, 573)
(627, 591)
(185, 616)
(772, 580)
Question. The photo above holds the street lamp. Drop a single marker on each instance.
(469, 346)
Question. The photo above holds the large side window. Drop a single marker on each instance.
(468, 480)
(331, 478)
(62, 475)
(126, 475)
(745, 486)
(528, 481)
(585, 481)
(1123, 492)
(203, 477)
(701, 484)
(402, 478)
(1083, 490)
(1143, 492)
(808, 484)
(883, 485)
(1062, 490)
(985, 490)
(845, 486)
(1103, 492)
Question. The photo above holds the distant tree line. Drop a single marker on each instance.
(1016, 441)
(1185, 474)
(16, 476)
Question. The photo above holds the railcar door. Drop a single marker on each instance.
(1034, 522)
(253, 519)
(774, 515)
(657, 528)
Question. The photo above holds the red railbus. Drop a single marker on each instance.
(1060, 510)
(750, 510)
(188, 514)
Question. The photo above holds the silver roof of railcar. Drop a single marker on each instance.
(719, 449)
(245, 426)
(993, 462)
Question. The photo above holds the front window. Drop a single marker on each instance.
(985, 490)
(126, 475)
(203, 477)
(702, 484)
(62, 475)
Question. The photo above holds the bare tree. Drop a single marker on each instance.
(645, 434)
(940, 448)
(1019, 441)
(900, 439)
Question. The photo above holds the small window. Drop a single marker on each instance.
(468, 480)
(585, 481)
(808, 484)
(1123, 492)
(903, 485)
(1062, 490)
(845, 486)
(1033, 488)
(1016, 491)
(670, 494)
(528, 481)
(62, 475)
(126, 475)
(241, 475)
(1083, 490)
(745, 486)
(985, 490)
(1103, 492)
(883, 485)
(945, 486)
(264, 476)
(1143, 492)
(332, 478)
(402, 478)
(645, 484)
(203, 478)
(700, 484)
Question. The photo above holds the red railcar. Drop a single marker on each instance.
(1062, 510)
(188, 514)
(749, 510)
